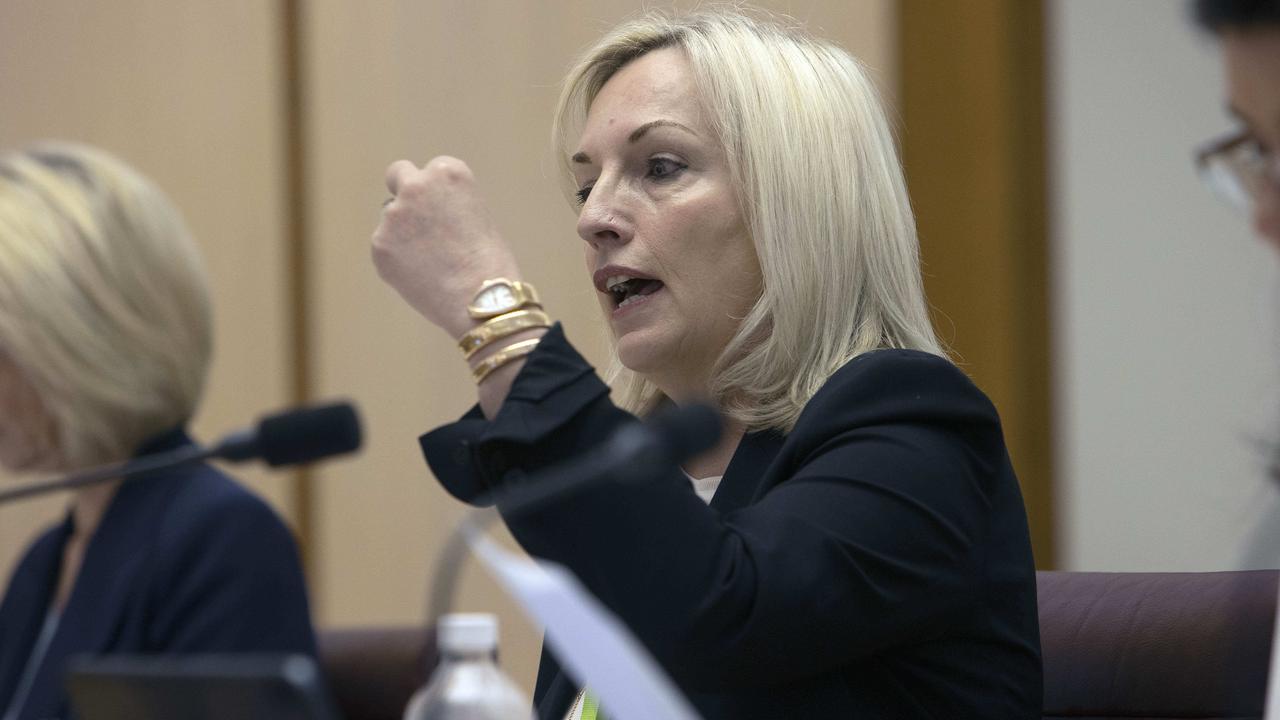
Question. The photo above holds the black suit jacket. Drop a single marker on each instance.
(184, 561)
(873, 563)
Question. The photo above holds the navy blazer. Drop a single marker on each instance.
(873, 563)
(184, 561)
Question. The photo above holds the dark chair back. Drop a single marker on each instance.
(1156, 645)
(1115, 645)
(372, 672)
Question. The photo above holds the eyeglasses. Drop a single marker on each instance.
(1237, 169)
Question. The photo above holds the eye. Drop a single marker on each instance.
(662, 168)
(583, 194)
(1251, 152)
(1258, 147)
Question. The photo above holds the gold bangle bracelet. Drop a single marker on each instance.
(514, 351)
(500, 327)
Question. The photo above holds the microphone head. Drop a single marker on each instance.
(685, 431)
(308, 434)
(665, 439)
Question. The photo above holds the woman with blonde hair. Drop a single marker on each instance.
(105, 338)
(856, 545)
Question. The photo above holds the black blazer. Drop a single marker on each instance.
(873, 563)
(184, 561)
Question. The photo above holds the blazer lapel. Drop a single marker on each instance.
(26, 604)
(101, 596)
(742, 481)
(745, 476)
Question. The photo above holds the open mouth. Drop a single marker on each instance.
(626, 290)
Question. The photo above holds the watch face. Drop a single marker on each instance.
(494, 298)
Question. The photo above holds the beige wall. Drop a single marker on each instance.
(190, 93)
(186, 92)
(475, 80)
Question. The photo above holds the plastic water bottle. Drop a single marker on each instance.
(468, 684)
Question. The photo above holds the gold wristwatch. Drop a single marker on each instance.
(500, 296)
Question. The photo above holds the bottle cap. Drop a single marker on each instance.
(467, 633)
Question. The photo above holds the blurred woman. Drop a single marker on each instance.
(105, 338)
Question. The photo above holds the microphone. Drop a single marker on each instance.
(296, 436)
(291, 437)
(634, 453)
(670, 437)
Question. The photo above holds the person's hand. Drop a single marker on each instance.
(437, 243)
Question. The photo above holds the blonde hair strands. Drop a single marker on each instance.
(821, 191)
(104, 305)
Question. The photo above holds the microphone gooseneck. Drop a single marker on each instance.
(104, 473)
(286, 438)
(634, 453)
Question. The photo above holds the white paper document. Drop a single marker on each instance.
(591, 643)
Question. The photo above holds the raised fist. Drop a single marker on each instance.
(437, 242)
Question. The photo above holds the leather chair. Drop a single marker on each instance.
(1156, 645)
(1115, 645)
(373, 672)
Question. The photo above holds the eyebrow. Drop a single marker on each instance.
(582, 158)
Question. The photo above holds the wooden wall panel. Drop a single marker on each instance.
(972, 91)
(476, 80)
(188, 93)
(193, 94)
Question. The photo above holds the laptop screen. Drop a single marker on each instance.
(198, 687)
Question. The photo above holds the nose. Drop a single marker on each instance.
(604, 217)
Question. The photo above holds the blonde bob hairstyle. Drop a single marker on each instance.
(821, 191)
(104, 304)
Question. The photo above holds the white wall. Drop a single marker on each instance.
(1166, 344)
(200, 116)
